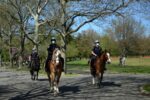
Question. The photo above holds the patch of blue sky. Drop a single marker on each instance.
(101, 25)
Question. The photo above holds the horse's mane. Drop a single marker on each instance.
(53, 55)
(103, 53)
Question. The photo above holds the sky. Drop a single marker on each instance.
(138, 11)
(100, 29)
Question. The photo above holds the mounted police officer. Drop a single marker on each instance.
(50, 50)
(34, 63)
(96, 51)
(35, 58)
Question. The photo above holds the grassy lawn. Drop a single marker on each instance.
(133, 65)
(78, 65)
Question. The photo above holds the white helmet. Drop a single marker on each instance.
(53, 40)
(97, 44)
(96, 41)
(34, 49)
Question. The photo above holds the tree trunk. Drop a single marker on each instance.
(36, 33)
(21, 54)
(63, 36)
(10, 53)
(64, 48)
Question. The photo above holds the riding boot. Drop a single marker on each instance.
(62, 64)
(46, 66)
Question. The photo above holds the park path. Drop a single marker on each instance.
(18, 86)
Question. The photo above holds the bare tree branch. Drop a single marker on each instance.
(30, 10)
(39, 9)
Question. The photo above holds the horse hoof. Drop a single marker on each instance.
(55, 94)
(51, 90)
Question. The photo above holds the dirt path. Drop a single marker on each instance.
(18, 86)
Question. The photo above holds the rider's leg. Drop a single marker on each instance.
(93, 58)
(46, 65)
(62, 64)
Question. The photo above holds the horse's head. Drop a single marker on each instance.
(106, 56)
(56, 54)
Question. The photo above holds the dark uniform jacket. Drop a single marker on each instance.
(97, 50)
(35, 60)
(51, 49)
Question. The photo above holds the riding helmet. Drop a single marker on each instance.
(53, 40)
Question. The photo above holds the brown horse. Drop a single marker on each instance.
(97, 69)
(55, 70)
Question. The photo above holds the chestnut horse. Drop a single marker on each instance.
(97, 68)
(55, 70)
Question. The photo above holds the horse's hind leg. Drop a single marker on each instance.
(31, 73)
(37, 75)
(34, 75)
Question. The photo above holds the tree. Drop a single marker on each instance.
(85, 42)
(7, 29)
(17, 12)
(72, 50)
(127, 32)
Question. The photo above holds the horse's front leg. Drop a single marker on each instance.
(56, 82)
(93, 80)
(98, 78)
(49, 80)
(52, 76)
(56, 90)
(101, 77)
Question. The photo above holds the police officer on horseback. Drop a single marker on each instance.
(96, 51)
(35, 58)
(34, 63)
(50, 50)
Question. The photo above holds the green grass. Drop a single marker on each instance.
(133, 65)
(128, 69)
(146, 87)
(78, 65)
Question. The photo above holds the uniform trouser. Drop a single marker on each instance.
(46, 65)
